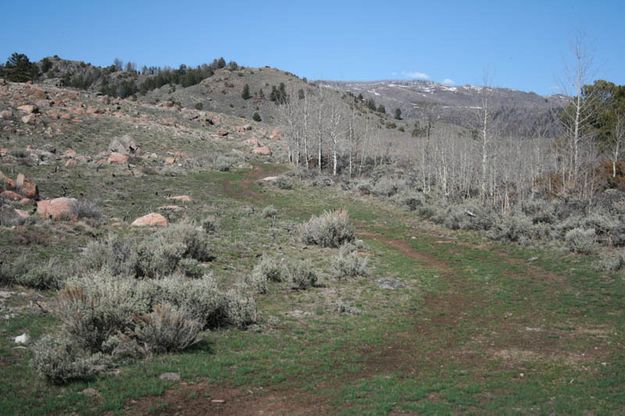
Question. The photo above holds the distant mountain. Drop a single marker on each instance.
(515, 112)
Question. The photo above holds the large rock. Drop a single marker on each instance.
(57, 208)
(150, 220)
(116, 158)
(124, 145)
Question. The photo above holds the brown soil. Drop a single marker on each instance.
(206, 399)
(404, 248)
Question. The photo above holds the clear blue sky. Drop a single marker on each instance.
(523, 43)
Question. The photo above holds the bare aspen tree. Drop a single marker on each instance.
(484, 136)
(576, 116)
(617, 141)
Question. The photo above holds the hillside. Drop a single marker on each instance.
(219, 87)
(520, 113)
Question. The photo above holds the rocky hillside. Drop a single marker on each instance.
(517, 112)
(51, 134)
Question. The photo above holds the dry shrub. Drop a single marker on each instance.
(301, 274)
(166, 329)
(348, 263)
(330, 229)
(60, 360)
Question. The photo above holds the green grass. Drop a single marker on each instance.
(488, 333)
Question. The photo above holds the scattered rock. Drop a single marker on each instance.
(170, 160)
(222, 132)
(71, 163)
(92, 393)
(22, 214)
(254, 142)
(3, 152)
(25, 186)
(173, 208)
(23, 339)
(28, 119)
(57, 209)
(70, 154)
(262, 150)
(6, 115)
(243, 128)
(11, 196)
(28, 109)
(181, 198)
(276, 134)
(149, 220)
(388, 283)
(170, 376)
(269, 179)
(124, 145)
(116, 158)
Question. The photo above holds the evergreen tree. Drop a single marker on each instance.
(397, 114)
(370, 103)
(381, 109)
(256, 117)
(245, 94)
(18, 68)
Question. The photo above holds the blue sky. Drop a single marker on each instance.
(523, 44)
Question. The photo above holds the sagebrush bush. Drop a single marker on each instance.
(200, 299)
(467, 216)
(86, 210)
(330, 229)
(610, 262)
(386, 186)
(158, 256)
(11, 270)
(223, 163)
(113, 254)
(124, 348)
(516, 228)
(96, 307)
(348, 263)
(9, 217)
(153, 257)
(191, 268)
(48, 275)
(59, 359)
(209, 225)
(301, 274)
(269, 212)
(256, 281)
(166, 329)
(240, 308)
(581, 240)
(270, 268)
(284, 182)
